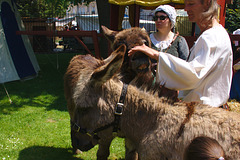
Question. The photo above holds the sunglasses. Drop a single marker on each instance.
(155, 18)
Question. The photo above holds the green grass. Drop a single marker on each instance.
(35, 126)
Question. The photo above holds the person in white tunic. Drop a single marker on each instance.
(206, 76)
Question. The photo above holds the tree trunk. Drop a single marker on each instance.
(103, 8)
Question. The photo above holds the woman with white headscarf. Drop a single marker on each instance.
(207, 74)
(164, 39)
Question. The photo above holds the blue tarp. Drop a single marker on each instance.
(15, 43)
(235, 88)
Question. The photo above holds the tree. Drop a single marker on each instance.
(232, 21)
(46, 8)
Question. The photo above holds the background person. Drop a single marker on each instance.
(204, 148)
(207, 74)
(164, 39)
(236, 32)
(235, 87)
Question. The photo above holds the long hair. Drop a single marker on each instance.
(204, 148)
(212, 11)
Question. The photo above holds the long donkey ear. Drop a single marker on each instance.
(112, 66)
(109, 34)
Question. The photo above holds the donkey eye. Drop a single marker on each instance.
(145, 42)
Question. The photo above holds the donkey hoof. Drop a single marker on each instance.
(77, 151)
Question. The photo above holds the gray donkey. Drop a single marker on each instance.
(139, 65)
(154, 127)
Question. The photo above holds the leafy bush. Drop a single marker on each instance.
(232, 21)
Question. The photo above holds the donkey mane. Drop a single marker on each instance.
(153, 92)
(143, 82)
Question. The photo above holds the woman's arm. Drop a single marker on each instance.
(152, 53)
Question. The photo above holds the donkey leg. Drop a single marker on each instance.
(103, 149)
(131, 153)
(151, 147)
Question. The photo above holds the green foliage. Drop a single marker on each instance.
(42, 8)
(46, 8)
(232, 21)
(36, 126)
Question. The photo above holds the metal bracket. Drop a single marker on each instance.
(119, 109)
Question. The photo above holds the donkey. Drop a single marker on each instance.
(138, 66)
(156, 128)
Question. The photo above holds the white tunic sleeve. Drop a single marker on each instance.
(181, 75)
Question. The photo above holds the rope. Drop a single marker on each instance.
(7, 93)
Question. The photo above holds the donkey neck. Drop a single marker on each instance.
(141, 113)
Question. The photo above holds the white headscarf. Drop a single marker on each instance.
(170, 11)
(237, 31)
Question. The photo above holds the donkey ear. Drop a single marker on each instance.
(109, 34)
(112, 66)
(114, 54)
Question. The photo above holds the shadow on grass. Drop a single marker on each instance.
(45, 90)
(51, 153)
(46, 153)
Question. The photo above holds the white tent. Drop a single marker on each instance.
(17, 59)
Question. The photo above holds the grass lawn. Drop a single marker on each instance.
(36, 125)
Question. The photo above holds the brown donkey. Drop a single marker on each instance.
(154, 127)
(138, 66)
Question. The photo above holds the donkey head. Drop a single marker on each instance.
(138, 63)
(92, 111)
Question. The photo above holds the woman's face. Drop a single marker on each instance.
(164, 23)
(194, 10)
